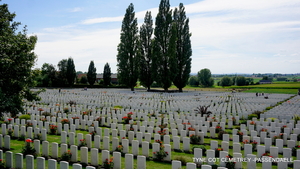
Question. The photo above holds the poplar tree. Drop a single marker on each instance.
(70, 72)
(164, 64)
(183, 48)
(127, 56)
(145, 60)
(92, 74)
(106, 75)
(62, 73)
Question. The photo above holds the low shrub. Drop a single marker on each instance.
(25, 116)
(250, 116)
(46, 114)
(183, 159)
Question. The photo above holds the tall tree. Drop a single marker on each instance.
(183, 48)
(145, 61)
(106, 75)
(48, 74)
(16, 60)
(164, 63)
(62, 73)
(71, 72)
(92, 74)
(225, 81)
(205, 79)
(128, 50)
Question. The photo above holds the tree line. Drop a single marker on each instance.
(66, 75)
(204, 79)
(160, 54)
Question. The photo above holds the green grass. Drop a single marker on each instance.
(279, 91)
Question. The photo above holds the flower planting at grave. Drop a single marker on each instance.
(240, 134)
(10, 132)
(53, 129)
(66, 110)
(161, 153)
(119, 148)
(28, 149)
(252, 122)
(254, 145)
(217, 152)
(28, 124)
(263, 130)
(40, 110)
(282, 128)
(93, 133)
(2, 164)
(108, 163)
(233, 120)
(191, 129)
(65, 121)
(127, 118)
(66, 156)
(43, 119)
(194, 139)
(294, 150)
(162, 133)
(82, 143)
(218, 128)
(230, 164)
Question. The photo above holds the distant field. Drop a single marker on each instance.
(278, 85)
(281, 91)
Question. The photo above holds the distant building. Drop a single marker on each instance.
(114, 77)
(265, 82)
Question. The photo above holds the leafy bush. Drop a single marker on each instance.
(250, 116)
(182, 159)
(243, 122)
(269, 108)
(25, 116)
(257, 113)
(46, 114)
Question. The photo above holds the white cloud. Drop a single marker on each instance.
(76, 9)
(101, 20)
(228, 36)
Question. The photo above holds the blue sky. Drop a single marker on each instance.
(228, 36)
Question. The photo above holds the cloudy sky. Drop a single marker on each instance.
(228, 36)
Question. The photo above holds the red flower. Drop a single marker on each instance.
(29, 141)
(130, 113)
(9, 119)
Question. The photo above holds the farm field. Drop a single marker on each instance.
(170, 118)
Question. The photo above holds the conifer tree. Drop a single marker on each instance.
(127, 56)
(106, 75)
(145, 60)
(92, 74)
(183, 48)
(70, 72)
(164, 64)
